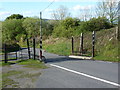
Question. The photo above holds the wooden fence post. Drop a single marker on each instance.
(6, 59)
(117, 33)
(81, 43)
(28, 48)
(16, 55)
(34, 47)
(72, 45)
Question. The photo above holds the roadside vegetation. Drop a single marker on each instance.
(57, 32)
(32, 64)
(27, 63)
(106, 45)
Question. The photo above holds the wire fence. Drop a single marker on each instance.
(106, 40)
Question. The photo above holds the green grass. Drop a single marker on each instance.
(27, 63)
(108, 53)
(7, 64)
(1, 53)
(7, 81)
(61, 46)
(2, 63)
(32, 64)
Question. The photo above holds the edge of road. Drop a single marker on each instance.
(88, 58)
(79, 57)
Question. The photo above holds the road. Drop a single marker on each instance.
(65, 72)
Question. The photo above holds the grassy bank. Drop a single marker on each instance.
(106, 46)
(61, 46)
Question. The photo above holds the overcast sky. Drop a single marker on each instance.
(32, 8)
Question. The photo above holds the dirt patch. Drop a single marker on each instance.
(24, 78)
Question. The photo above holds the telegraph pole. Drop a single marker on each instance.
(93, 44)
(40, 35)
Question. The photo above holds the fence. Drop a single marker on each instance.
(82, 45)
(93, 44)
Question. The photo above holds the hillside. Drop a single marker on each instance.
(106, 46)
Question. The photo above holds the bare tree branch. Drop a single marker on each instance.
(109, 9)
(61, 13)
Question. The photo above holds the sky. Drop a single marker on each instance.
(31, 8)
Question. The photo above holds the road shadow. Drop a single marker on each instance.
(63, 59)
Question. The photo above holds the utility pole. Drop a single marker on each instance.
(93, 44)
(40, 35)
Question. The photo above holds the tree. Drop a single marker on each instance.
(15, 16)
(32, 27)
(11, 29)
(112, 10)
(108, 8)
(61, 13)
(101, 9)
(85, 14)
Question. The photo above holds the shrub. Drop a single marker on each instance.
(95, 24)
(67, 28)
(11, 47)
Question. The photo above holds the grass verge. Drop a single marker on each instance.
(32, 64)
(27, 63)
(6, 81)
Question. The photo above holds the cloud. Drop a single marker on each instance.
(48, 10)
(4, 14)
(79, 7)
(49, 0)
(28, 12)
(53, 0)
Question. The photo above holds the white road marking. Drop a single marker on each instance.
(83, 74)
